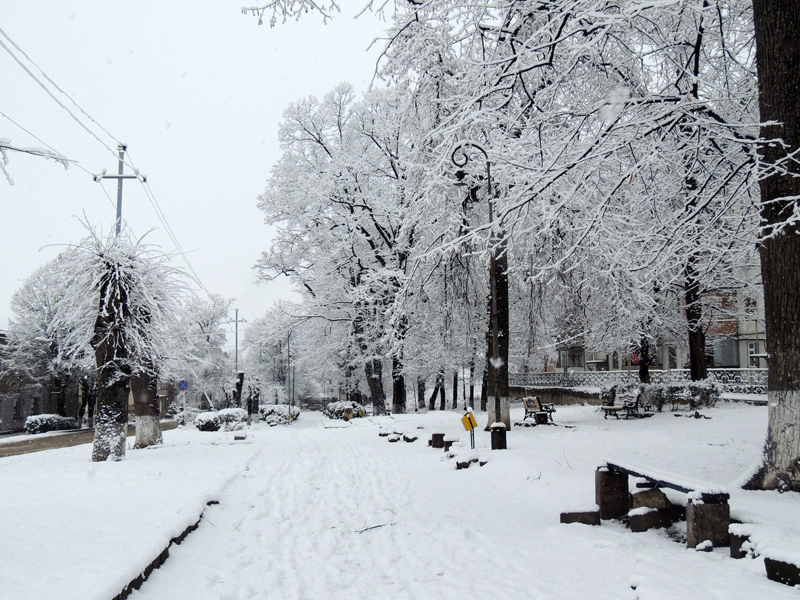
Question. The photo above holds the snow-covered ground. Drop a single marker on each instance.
(316, 512)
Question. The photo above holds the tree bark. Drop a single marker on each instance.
(398, 387)
(455, 390)
(237, 390)
(61, 383)
(498, 376)
(113, 376)
(420, 392)
(442, 391)
(88, 399)
(437, 389)
(111, 422)
(145, 402)
(644, 361)
(485, 386)
(694, 317)
(777, 27)
(374, 371)
(472, 381)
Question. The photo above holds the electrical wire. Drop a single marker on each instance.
(70, 161)
(162, 217)
(49, 93)
(55, 85)
(148, 191)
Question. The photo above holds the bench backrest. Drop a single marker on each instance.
(621, 399)
(532, 403)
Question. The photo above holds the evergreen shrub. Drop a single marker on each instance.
(44, 423)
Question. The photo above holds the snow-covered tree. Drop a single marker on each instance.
(204, 364)
(37, 351)
(121, 303)
(777, 30)
(338, 199)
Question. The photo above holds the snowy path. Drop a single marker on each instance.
(341, 513)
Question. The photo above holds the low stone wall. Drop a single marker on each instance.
(556, 395)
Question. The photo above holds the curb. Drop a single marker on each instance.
(159, 560)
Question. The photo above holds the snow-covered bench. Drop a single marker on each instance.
(627, 403)
(540, 412)
(707, 511)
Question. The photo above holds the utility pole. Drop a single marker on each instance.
(119, 177)
(236, 354)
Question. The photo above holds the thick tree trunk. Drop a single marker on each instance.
(498, 375)
(237, 390)
(398, 387)
(485, 386)
(777, 26)
(111, 423)
(455, 390)
(442, 390)
(253, 400)
(420, 392)
(145, 402)
(437, 389)
(694, 317)
(60, 383)
(374, 372)
(644, 361)
(88, 400)
(472, 381)
(110, 352)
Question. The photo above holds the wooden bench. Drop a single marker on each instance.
(540, 412)
(707, 511)
(626, 403)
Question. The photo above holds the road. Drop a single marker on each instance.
(60, 440)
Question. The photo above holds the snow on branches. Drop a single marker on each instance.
(6, 146)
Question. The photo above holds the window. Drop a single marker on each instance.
(752, 350)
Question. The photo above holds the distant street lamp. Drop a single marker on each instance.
(460, 157)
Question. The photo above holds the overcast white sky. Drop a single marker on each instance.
(196, 89)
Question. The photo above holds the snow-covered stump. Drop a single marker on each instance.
(448, 442)
(611, 493)
(707, 519)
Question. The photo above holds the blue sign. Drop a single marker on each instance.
(183, 385)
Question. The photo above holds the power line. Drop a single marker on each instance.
(49, 93)
(163, 218)
(55, 85)
(70, 161)
(150, 195)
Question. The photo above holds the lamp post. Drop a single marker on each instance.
(460, 157)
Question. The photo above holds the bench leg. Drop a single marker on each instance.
(611, 493)
(707, 521)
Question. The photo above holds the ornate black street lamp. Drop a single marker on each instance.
(460, 157)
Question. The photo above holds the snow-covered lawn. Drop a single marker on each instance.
(315, 512)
